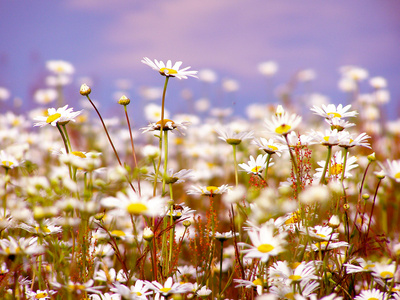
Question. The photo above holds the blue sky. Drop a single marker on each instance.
(106, 40)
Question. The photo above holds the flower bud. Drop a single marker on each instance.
(371, 157)
(346, 206)
(380, 175)
(148, 234)
(124, 100)
(365, 196)
(186, 223)
(334, 221)
(85, 90)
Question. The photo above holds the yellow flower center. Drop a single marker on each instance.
(334, 115)
(53, 117)
(321, 245)
(257, 281)
(118, 233)
(386, 274)
(78, 153)
(336, 169)
(136, 208)
(168, 72)
(45, 229)
(326, 138)
(41, 295)
(372, 298)
(7, 163)
(295, 277)
(212, 189)
(397, 175)
(289, 296)
(165, 290)
(165, 121)
(139, 293)
(256, 169)
(321, 235)
(272, 147)
(282, 129)
(295, 265)
(265, 248)
(367, 267)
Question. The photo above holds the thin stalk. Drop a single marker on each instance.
(109, 138)
(235, 164)
(161, 134)
(133, 147)
(66, 146)
(372, 208)
(346, 151)
(220, 269)
(296, 170)
(328, 160)
(67, 137)
(5, 193)
(165, 161)
(266, 167)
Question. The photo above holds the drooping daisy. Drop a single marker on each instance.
(208, 190)
(134, 204)
(326, 245)
(60, 115)
(339, 124)
(173, 177)
(168, 69)
(374, 294)
(264, 242)
(282, 124)
(232, 137)
(256, 166)
(269, 146)
(392, 169)
(331, 111)
(224, 235)
(336, 166)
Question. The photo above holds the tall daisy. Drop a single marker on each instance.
(331, 111)
(256, 166)
(282, 124)
(168, 69)
(60, 115)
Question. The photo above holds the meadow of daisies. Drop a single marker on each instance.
(299, 199)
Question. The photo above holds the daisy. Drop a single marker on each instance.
(168, 69)
(324, 233)
(336, 166)
(297, 272)
(138, 291)
(326, 245)
(383, 271)
(348, 141)
(224, 235)
(168, 125)
(370, 294)
(168, 288)
(339, 124)
(331, 111)
(392, 169)
(60, 67)
(269, 146)
(62, 116)
(364, 266)
(256, 166)
(22, 246)
(134, 204)
(328, 138)
(295, 140)
(45, 96)
(282, 124)
(264, 242)
(208, 190)
(40, 294)
(257, 283)
(173, 177)
(8, 161)
(232, 137)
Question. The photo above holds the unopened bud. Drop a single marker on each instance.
(380, 175)
(334, 221)
(186, 223)
(148, 234)
(85, 90)
(124, 100)
(346, 206)
(38, 213)
(365, 196)
(371, 157)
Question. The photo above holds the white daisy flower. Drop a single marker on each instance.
(331, 111)
(370, 294)
(339, 124)
(256, 166)
(347, 140)
(282, 124)
(167, 125)
(264, 243)
(392, 169)
(269, 146)
(8, 161)
(336, 166)
(60, 67)
(168, 288)
(208, 190)
(232, 137)
(62, 115)
(168, 69)
(327, 138)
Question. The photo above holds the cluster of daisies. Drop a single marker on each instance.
(223, 208)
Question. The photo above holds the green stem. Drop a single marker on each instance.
(165, 161)
(5, 193)
(235, 164)
(109, 138)
(328, 160)
(345, 151)
(266, 167)
(66, 146)
(133, 147)
(294, 162)
(161, 134)
(67, 137)
(220, 269)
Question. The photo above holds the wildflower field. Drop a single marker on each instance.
(297, 200)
